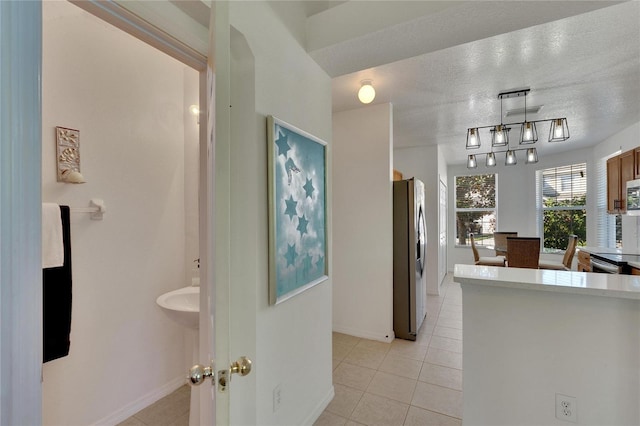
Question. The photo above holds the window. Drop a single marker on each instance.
(608, 226)
(475, 209)
(563, 204)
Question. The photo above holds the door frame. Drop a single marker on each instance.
(21, 200)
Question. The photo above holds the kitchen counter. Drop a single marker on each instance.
(607, 285)
(532, 336)
(599, 250)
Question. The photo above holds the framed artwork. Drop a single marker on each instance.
(297, 210)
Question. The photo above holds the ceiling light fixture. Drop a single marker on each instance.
(367, 93)
(559, 131)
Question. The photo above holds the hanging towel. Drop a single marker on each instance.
(52, 246)
(56, 290)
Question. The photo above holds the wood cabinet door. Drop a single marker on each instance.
(627, 172)
(613, 184)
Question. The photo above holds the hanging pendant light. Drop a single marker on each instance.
(510, 158)
(471, 162)
(473, 138)
(491, 160)
(532, 156)
(528, 132)
(559, 130)
(499, 136)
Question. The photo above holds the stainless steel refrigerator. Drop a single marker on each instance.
(409, 246)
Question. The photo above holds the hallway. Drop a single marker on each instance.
(404, 382)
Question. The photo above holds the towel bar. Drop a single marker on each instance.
(96, 208)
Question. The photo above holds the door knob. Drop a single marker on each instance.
(241, 366)
(198, 374)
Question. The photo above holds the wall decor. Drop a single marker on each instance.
(297, 210)
(68, 155)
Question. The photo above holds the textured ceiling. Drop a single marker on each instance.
(585, 67)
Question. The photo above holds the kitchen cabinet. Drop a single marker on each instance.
(620, 169)
(584, 261)
(636, 153)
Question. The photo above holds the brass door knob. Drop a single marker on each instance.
(198, 374)
(242, 366)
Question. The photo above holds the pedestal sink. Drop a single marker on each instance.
(183, 306)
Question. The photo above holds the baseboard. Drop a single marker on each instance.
(317, 411)
(387, 338)
(143, 402)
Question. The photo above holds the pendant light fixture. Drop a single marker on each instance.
(367, 93)
(558, 131)
(528, 132)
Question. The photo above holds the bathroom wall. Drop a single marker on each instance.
(127, 100)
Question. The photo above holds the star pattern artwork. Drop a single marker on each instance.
(297, 194)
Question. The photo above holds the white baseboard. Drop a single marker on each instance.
(143, 402)
(365, 334)
(317, 411)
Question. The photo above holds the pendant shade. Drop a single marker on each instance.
(528, 133)
(532, 156)
(499, 136)
(473, 139)
(510, 158)
(471, 162)
(491, 160)
(559, 130)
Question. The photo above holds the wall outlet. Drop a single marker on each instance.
(277, 398)
(566, 408)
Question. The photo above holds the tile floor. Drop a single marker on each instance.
(387, 384)
(172, 410)
(404, 382)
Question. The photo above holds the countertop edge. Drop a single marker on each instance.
(600, 285)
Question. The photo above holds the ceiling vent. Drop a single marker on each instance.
(520, 111)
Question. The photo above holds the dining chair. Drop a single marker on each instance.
(565, 265)
(485, 260)
(500, 242)
(524, 252)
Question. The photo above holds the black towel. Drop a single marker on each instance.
(56, 289)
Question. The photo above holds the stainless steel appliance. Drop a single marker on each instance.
(612, 263)
(633, 197)
(409, 246)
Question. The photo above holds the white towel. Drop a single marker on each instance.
(52, 244)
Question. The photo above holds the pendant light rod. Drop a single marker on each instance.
(520, 122)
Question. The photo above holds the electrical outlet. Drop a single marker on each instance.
(277, 398)
(566, 408)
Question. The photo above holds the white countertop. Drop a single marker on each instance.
(607, 285)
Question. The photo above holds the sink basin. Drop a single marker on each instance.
(182, 306)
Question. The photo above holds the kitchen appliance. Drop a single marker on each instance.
(633, 197)
(409, 246)
(612, 263)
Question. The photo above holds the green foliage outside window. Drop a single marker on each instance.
(475, 202)
(559, 224)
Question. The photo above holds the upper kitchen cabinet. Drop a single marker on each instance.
(620, 169)
(637, 156)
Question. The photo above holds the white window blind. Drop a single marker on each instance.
(605, 223)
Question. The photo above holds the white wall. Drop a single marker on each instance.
(363, 220)
(291, 340)
(516, 193)
(127, 101)
(623, 141)
(424, 163)
(521, 347)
